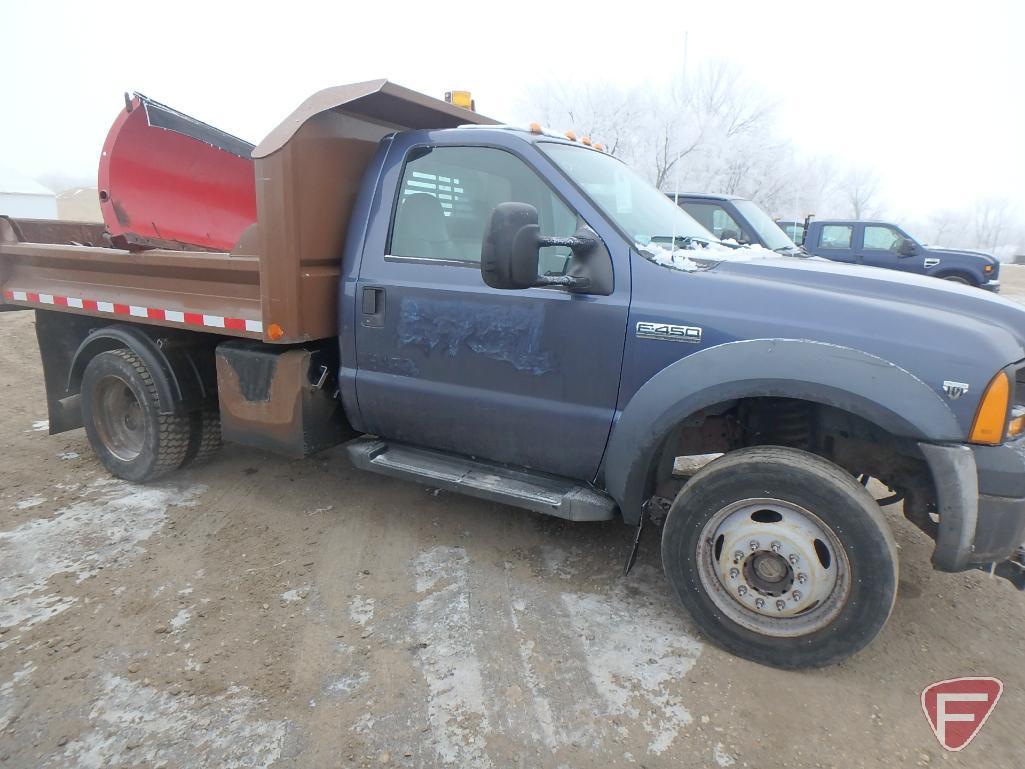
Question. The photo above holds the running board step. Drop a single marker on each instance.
(539, 492)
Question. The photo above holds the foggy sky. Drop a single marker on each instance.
(930, 94)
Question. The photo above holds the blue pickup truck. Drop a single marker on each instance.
(882, 244)
(517, 315)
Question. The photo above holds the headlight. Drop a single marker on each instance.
(991, 418)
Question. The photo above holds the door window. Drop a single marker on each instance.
(447, 195)
(836, 236)
(878, 238)
(716, 220)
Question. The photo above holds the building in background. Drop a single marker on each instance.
(79, 204)
(23, 197)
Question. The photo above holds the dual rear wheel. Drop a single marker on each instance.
(121, 413)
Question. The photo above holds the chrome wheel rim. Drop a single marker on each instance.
(773, 567)
(118, 418)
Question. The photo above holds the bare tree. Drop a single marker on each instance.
(991, 218)
(859, 189)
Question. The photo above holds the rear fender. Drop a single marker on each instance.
(183, 379)
(847, 379)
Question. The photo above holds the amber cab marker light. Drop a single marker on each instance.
(991, 418)
(535, 128)
(275, 332)
(571, 136)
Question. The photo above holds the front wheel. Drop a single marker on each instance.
(781, 557)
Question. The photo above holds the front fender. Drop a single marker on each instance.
(848, 379)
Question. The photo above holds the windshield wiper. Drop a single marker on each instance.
(683, 240)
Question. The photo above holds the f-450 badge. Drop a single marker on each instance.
(669, 332)
(954, 390)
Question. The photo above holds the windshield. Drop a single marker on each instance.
(770, 233)
(637, 207)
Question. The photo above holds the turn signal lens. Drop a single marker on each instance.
(991, 418)
(988, 268)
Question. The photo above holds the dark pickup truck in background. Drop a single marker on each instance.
(518, 316)
(729, 217)
(882, 244)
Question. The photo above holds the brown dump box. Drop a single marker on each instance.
(279, 282)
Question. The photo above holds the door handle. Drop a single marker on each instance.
(373, 307)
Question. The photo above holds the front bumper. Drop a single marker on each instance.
(980, 495)
(992, 285)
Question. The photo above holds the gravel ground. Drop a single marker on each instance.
(259, 612)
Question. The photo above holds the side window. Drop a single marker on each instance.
(836, 236)
(447, 195)
(716, 220)
(882, 238)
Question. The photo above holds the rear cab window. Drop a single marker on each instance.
(836, 236)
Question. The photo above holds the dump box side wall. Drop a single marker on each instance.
(304, 195)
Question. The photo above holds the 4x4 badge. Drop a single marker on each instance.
(669, 332)
(954, 390)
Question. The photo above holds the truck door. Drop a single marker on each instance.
(836, 242)
(525, 377)
(879, 246)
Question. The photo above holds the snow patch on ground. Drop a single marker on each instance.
(361, 610)
(34, 501)
(41, 425)
(99, 531)
(179, 620)
(635, 653)
(68, 455)
(456, 712)
(137, 725)
(8, 703)
(295, 594)
(722, 757)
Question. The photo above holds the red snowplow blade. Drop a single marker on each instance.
(167, 180)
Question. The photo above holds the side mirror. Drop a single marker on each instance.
(510, 249)
(906, 248)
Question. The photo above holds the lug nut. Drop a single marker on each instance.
(796, 595)
(734, 573)
(802, 577)
(792, 558)
(754, 545)
(781, 605)
(776, 546)
(738, 556)
(759, 603)
(742, 590)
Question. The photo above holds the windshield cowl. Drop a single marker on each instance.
(696, 255)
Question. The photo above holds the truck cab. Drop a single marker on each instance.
(886, 245)
(733, 218)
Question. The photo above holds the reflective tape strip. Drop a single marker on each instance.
(136, 311)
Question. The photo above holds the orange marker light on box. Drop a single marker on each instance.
(275, 332)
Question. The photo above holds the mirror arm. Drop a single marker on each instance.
(574, 244)
(566, 281)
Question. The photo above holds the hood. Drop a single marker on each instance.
(936, 330)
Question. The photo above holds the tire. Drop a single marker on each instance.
(120, 410)
(204, 436)
(794, 531)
